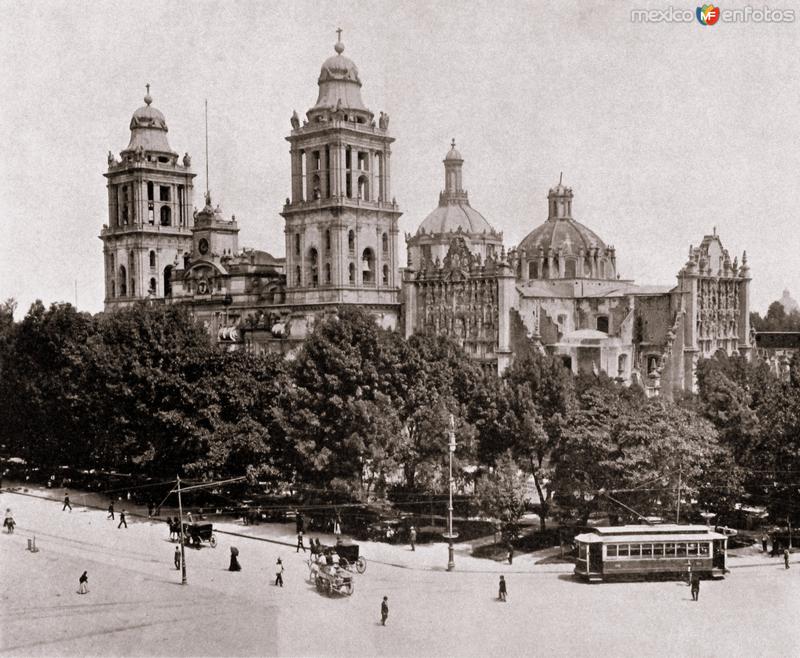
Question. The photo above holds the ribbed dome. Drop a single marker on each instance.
(566, 234)
(451, 217)
(453, 153)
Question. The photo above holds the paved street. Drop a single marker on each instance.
(136, 605)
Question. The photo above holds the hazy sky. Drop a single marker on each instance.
(662, 130)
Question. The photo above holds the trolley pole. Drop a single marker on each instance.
(180, 534)
(450, 536)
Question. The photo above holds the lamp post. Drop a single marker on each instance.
(450, 536)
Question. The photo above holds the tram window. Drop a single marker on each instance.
(704, 550)
(582, 551)
(681, 550)
(623, 550)
(692, 549)
(647, 550)
(658, 550)
(669, 550)
(611, 550)
(636, 550)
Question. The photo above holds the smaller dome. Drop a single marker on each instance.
(560, 190)
(453, 153)
(149, 129)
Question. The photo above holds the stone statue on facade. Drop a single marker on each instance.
(295, 120)
(111, 158)
(187, 160)
(383, 121)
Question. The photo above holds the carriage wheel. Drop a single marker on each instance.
(361, 565)
(344, 563)
(213, 541)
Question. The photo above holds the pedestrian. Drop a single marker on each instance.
(178, 557)
(413, 536)
(384, 610)
(510, 552)
(66, 502)
(786, 558)
(764, 539)
(189, 518)
(695, 586)
(234, 565)
(110, 511)
(279, 573)
(83, 584)
(688, 572)
(502, 591)
(150, 508)
(300, 542)
(337, 528)
(122, 521)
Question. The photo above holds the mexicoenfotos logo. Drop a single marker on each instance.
(708, 14)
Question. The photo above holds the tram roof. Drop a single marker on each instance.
(640, 533)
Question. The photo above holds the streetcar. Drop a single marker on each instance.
(643, 550)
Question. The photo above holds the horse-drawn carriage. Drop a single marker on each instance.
(334, 575)
(196, 533)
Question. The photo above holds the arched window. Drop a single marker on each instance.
(166, 216)
(168, 281)
(327, 272)
(385, 243)
(386, 275)
(601, 269)
(570, 268)
(313, 267)
(352, 273)
(587, 267)
(622, 365)
(533, 270)
(299, 275)
(327, 239)
(113, 288)
(567, 362)
(363, 188)
(351, 241)
(123, 281)
(602, 323)
(152, 288)
(368, 266)
(152, 259)
(297, 244)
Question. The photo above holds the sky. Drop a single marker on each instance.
(664, 131)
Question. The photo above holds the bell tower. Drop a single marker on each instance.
(149, 212)
(341, 220)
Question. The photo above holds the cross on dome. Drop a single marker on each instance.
(339, 47)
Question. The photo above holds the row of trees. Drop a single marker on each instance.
(361, 412)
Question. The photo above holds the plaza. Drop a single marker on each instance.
(137, 606)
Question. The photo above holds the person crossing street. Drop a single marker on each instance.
(122, 521)
(66, 502)
(279, 573)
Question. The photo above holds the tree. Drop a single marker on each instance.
(501, 494)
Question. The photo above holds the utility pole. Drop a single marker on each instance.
(678, 510)
(180, 532)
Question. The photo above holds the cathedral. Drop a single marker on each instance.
(558, 290)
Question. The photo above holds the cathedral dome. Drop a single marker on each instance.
(455, 217)
(565, 234)
(149, 128)
(562, 248)
(339, 87)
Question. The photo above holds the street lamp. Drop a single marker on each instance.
(450, 536)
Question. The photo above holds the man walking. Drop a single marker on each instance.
(786, 558)
(503, 592)
(300, 542)
(695, 586)
(178, 558)
(413, 537)
(122, 521)
(66, 502)
(110, 511)
(384, 610)
(764, 543)
(279, 573)
(510, 552)
(83, 584)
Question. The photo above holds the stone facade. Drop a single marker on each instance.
(558, 290)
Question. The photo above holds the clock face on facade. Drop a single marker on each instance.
(203, 246)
